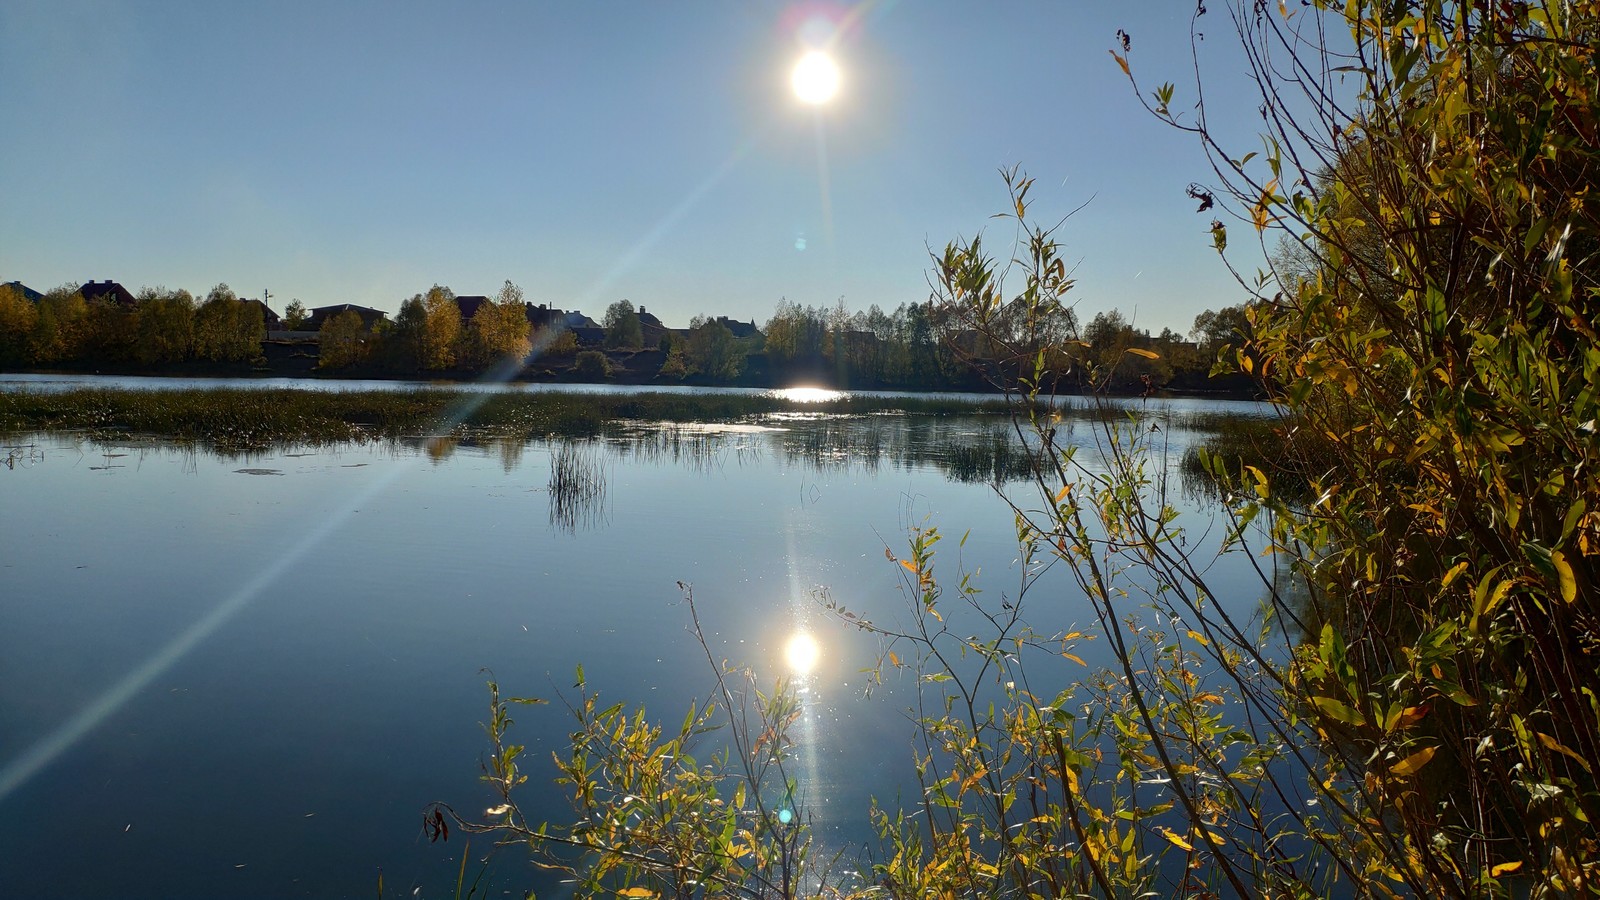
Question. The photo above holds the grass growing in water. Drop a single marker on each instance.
(258, 419)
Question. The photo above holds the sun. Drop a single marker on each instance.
(815, 78)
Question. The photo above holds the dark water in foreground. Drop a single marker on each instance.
(247, 676)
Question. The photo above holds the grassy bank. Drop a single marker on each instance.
(262, 418)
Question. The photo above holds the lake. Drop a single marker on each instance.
(246, 676)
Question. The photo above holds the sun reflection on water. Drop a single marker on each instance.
(808, 394)
(801, 653)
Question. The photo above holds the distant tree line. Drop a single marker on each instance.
(430, 334)
(917, 346)
(162, 327)
(924, 345)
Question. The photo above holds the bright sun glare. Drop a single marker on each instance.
(815, 78)
(801, 653)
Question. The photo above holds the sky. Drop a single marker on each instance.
(360, 152)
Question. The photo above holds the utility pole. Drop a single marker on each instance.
(265, 296)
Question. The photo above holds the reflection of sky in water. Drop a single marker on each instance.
(347, 695)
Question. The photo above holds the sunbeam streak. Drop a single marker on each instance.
(27, 764)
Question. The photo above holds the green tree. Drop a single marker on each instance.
(295, 315)
(592, 365)
(405, 341)
(1218, 330)
(713, 351)
(622, 327)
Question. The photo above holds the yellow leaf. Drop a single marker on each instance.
(893, 659)
(1121, 62)
(1065, 490)
(1412, 763)
(1569, 581)
(1178, 842)
(1551, 743)
(1503, 868)
(1450, 576)
(1199, 638)
(910, 567)
(1262, 214)
(1409, 716)
(1075, 658)
(1147, 354)
(636, 892)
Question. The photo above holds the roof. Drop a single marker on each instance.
(470, 305)
(267, 315)
(737, 328)
(109, 291)
(27, 293)
(369, 316)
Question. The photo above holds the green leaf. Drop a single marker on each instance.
(1336, 710)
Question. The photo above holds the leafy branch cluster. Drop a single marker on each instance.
(1412, 708)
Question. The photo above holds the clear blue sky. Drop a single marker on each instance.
(590, 152)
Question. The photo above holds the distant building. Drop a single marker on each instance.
(469, 306)
(108, 292)
(272, 320)
(28, 293)
(369, 317)
(542, 316)
(650, 328)
(737, 328)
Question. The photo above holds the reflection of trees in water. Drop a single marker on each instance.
(698, 448)
(577, 486)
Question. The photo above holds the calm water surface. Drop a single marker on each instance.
(246, 676)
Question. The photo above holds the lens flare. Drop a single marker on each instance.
(802, 653)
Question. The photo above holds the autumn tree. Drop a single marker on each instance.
(165, 322)
(500, 328)
(441, 329)
(61, 329)
(343, 341)
(18, 319)
(226, 330)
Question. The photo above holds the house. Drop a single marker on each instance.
(28, 293)
(469, 306)
(369, 317)
(587, 331)
(272, 320)
(108, 292)
(737, 328)
(542, 316)
(650, 328)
